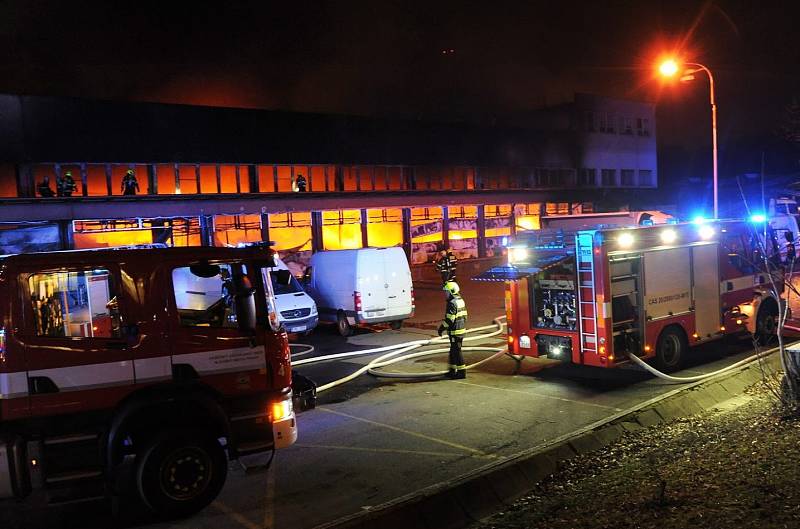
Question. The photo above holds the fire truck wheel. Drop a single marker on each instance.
(767, 322)
(342, 325)
(670, 349)
(397, 325)
(180, 472)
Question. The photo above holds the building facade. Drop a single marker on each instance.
(213, 176)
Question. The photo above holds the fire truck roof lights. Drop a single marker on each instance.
(758, 218)
(625, 239)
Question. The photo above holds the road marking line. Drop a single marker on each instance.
(386, 450)
(241, 520)
(407, 432)
(533, 394)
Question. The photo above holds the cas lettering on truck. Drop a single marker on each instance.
(138, 371)
(363, 286)
(594, 297)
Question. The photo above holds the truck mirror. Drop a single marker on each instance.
(205, 270)
(284, 277)
(307, 275)
(246, 310)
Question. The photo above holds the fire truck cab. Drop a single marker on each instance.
(138, 371)
(595, 296)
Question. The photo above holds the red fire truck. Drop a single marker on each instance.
(595, 296)
(138, 371)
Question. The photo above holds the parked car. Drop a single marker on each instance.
(363, 286)
(297, 310)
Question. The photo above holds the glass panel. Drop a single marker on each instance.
(227, 178)
(231, 230)
(341, 229)
(291, 233)
(384, 227)
(284, 178)
(165, 173)
(317, 180)
(208, 179)
(266, 179)
(426, 234)
(207, 301)
(80, 304)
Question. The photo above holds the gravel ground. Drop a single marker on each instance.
(737, 466)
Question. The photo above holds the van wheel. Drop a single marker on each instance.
(767, 322)
(397, 324)
(180, 472)
(342, 325)
(671, 349)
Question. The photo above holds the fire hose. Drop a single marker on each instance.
(401, 352)
(684, 380)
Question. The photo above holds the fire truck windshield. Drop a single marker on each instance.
(554, 296)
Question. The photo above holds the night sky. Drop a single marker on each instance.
(394, 59)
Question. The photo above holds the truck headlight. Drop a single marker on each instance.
(281, 409)
(517, 255)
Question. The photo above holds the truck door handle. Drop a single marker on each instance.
(392, 297)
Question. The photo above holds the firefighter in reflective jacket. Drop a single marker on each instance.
(455, 323)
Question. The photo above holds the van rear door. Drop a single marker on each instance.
(371, 282)
(397, 282)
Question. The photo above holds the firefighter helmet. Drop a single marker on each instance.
(451, 287)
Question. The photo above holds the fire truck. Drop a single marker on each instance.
(138, 372)
(598, 295)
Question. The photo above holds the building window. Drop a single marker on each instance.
(626, 125)
(590, 123)
(646, 177)
(606, 122)
(609, 177)
(588, 177)
(627, 176)
(643, 127)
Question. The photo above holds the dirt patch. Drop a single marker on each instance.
(735, 466)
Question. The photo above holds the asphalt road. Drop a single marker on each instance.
(374, 440)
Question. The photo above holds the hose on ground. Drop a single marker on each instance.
(684, 380)
(393, 354)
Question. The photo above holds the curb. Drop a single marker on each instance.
(484, 491)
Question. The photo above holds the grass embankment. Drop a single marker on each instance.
(737, 466)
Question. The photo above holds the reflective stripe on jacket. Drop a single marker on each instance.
(455, 319)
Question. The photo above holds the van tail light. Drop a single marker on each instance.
(2, 344)
(413, 300)
(357, 300)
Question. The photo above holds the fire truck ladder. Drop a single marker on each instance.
(586, 298)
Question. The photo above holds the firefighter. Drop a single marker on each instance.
(455, 323)
(65, 185)
(446, 265)
(301, 184)
(44, 188)
(129, 183)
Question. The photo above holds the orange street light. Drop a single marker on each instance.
(669, 68)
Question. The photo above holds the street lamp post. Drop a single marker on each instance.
(668, 69)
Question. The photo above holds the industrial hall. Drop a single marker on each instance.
(78, 174)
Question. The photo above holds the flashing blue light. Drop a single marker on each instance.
(758, 218)
(699, 220)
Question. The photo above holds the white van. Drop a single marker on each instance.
(298, 312)
(364, 286)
